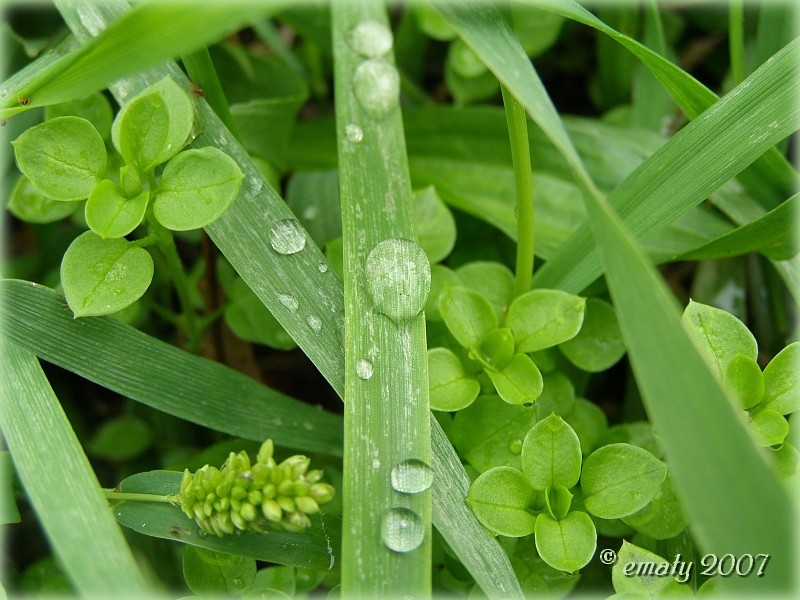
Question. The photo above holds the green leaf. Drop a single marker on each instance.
(9, 513)
(121, 439)
(637, 433)
(493, 280)
(625, 578)
(197, 186)
(719, 335)
(782, 380)
(785, 458)
(770, 427)
(588, 421)
(558, 395)
(599, 344)
(500, 498)
(536, 29)
(544, 318)
(28, 204)
(663, 518)
(467, 314)
(496, 349)
(449, 387)
(441, 276)
(620, 479)
(557, 501)
(551, 454)
(63, 158)
(209, 573)
(101, 277)
(95, 108)
(744, 380)
(568, 544)
(434, 224)
(490, 432)
(249, 319)
(281, 579)
(520, 382)
(110, 214)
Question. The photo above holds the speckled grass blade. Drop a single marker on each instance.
(60, 483)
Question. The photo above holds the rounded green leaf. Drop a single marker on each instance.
(782, 380)
(770, 427)
(110, 214)
(493, 280)
(434, 224)
(627, 580)
(558, 395)
(500, 498)
(496, 348)
(101, 277)
(121, 438)
(197, 186)
(744, 381)
(619, 480)
(441, 276)
(450, 388)
(719, 335)
(551, 454)
(599, 344)
(63, 158)
(520, 382)
(30, 205)
(785, 459)
(544, 318)
(557, 501)
(467, 314)
(94, 108)
(567, 544)
(663, 518)
(250, 320)
(588, 421)
(210, 573)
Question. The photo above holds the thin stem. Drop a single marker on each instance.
(736, 40)
(115, 495)
(521, 160)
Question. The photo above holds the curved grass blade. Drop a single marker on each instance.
(60, 483)
(150, 371)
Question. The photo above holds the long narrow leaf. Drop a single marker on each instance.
(60, 482)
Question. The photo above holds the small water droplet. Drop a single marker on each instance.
(288, 301)
(308, 426)
(202, 532)
(398, 278)
(237, 583)
(515, 446)
(364, 369)
(411, 476)
(402, 530)
(354, 133)
(323, 267)
(376, 85)
(370, 39)
(314, 322)
(287, 236)
(310, 212)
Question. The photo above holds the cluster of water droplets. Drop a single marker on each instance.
(403, 530)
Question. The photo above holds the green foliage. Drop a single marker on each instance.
(209, 573)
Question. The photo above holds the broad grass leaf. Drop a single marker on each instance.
(551, 454)
(782, 380)
(619, 479)
(449, 387)
(519, 382)
(29, 204)
(101, 277)
(63, 158)
(544, 318)
(567, 544)
(197, 186)
(599, 344)
(110, 214)
(467, 314)
(500, 498)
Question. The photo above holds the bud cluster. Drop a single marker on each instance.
(246, 497)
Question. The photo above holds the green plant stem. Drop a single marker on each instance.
(202, 72)
(736, 40)
(521, 160)
(117, 496)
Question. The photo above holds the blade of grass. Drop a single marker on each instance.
(202, 73)
(728, 512)
(150, 371)
(241, 235)
(736, 40)
(60, 483)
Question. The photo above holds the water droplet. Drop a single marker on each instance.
(237, 583)
(308, 426)
(354, 133)
(515, 446)
(370, 39)
(364, 369)
(287, 236)
(323, 267)
(314, 322)
(411, 476)
(398, 278)
(377, 86)
(288, 301)
(202, 532)
(402, 530)
(310, 212)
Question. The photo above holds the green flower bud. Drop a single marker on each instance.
(265, 452)
(248, 512)
(322, 492)
(286, 503)
(271, 511)
(238, 521)
(286, 488)
(297, 521)
(307, 505)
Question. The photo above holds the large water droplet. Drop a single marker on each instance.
(288, 301)
(287, 236)
(398, 278)
(402, 530)
(411, 476)
(364, 369)
(515, 446)
(354, 133)
(370, 39)
(314, 322)
(377, 86)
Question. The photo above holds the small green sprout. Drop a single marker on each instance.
(254, 497)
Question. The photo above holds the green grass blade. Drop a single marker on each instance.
(242, 236)
(714, 460)
(150, 371)
(387, 416)
(60, 483)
